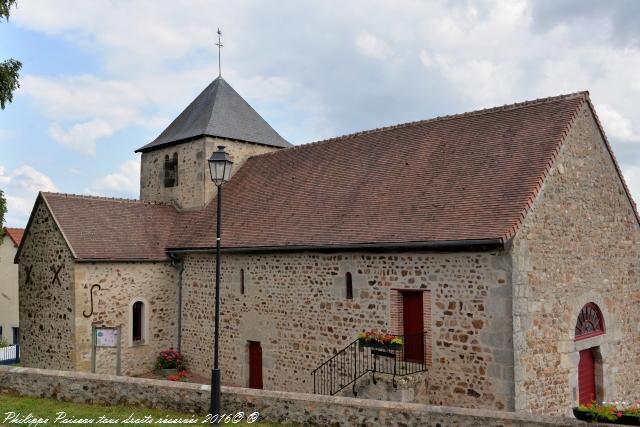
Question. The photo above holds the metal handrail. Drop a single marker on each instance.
(358, 358)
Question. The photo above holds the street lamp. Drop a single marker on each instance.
(220, 169)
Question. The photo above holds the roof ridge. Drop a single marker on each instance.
(105, 198)
(506, 107)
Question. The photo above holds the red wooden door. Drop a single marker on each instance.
(255, 364)
(586, 377)
(413, 326)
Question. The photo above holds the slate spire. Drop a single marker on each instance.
(218, 111)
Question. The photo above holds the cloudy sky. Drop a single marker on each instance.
(102, 78)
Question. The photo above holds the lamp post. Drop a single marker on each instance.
(220, 169)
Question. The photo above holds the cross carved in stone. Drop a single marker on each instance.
(56, 272)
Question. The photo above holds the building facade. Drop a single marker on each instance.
(507, 237)
(9, 320)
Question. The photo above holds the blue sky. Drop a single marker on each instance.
(103, 78)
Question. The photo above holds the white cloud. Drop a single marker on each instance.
(479, 79)
(3, 177)
(632, 178)
(266, 88)
(84, 97)
(427, 60)
(85, 109)
(153, 57)
(370, 45)
(125, 182)
(616, 125)
(81, 137)
(133, 38)
(89, 108)
(27, 178)
(21, 188)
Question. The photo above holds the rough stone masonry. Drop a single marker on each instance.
(499, 320)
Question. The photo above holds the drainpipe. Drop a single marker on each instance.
(178, 264)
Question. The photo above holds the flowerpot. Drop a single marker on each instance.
(376, 344)
(581, 415)
(166, 372)
(630, 420)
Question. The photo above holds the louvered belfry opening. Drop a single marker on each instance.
(171, 170)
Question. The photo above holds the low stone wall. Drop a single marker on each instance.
(408, 388)
(275, 406)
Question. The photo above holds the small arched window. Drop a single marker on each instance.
(242, 281)
(590, 322)
(349, 286)
(137, 319)
(171, 170)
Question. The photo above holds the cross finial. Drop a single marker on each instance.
(220, 46)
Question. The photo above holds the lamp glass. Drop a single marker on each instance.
(220, 166)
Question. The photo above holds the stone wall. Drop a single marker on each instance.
(294, 305)
(273, 406)
(8, 289)
(46, 303)
(195, 188)
(121, 284)
(578, 244)
(412, 388)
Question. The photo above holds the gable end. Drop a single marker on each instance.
(513, 230)
(39, 200)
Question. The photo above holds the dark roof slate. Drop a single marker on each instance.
(218, 111)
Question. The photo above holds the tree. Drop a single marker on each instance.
(9, 69)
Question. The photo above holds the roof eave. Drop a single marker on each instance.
(432, 245)
(89, 260)
(147, 149)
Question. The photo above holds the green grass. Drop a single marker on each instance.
(49, 409)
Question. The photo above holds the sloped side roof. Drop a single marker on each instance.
(219, 111)
(465, 177)
(15, 234)
(98, 228)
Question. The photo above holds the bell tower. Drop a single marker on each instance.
(174, 166)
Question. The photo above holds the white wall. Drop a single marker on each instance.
(8, 289)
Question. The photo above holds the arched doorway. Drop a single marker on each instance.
(590, 323)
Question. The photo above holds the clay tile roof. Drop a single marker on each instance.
(15, 234)
(457, 178)
(98, 228)
(464, 178)
(218, 111)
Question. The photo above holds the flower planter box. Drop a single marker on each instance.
(376, 344)
(629, 420)
(167, 372)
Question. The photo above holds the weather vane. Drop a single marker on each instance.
(220, 46)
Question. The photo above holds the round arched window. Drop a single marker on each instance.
(590, 322)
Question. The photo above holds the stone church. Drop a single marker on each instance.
(505, 239)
